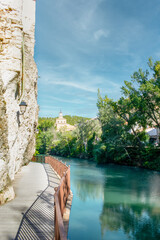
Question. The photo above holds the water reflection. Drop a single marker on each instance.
(88, 190)
(131, 203)
(87, 182)
(135, 221)
(114, 202)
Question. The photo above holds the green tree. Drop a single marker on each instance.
(87, 133)
(143, 93)
(45, 123)
(43, 142)
(113, 139)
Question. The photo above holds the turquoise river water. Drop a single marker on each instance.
(113, 202)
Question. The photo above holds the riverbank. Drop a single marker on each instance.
(146, 161)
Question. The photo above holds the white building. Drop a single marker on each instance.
(153, 134)
(61, 124)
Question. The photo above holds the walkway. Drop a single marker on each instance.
(31, 214)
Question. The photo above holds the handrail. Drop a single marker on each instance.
(61, 195)
(59, 226)
(58, 166)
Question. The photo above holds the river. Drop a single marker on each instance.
(113, 202)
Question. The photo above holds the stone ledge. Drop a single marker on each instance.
(7, 195)
(67, 211)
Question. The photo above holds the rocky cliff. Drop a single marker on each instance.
(18, 81)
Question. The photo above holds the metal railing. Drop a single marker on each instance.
(61, 196)
(61, 193)
(57, 165)
(39, 158)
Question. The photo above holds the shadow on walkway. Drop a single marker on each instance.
(38, 221)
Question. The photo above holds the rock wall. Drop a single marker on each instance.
(18, 81)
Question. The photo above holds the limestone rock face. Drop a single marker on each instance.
(18, 81)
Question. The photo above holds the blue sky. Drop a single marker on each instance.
(85, 45)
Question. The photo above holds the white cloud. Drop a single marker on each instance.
(59, 67)
(48, 110)
(86, 81)
(75, 101)
(157, 55)
(75, 85)
(100, 33)
(86, 14)
(85, 45)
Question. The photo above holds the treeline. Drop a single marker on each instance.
(74, 120)
(47, 134)
(119, 133)
(78, 143)
(47, 122)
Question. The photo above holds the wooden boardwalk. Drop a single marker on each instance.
(31, 214)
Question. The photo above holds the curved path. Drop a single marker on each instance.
(31, 214)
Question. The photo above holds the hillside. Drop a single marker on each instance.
(45, 122)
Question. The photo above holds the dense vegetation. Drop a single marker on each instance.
(47, 135)
(118, 134)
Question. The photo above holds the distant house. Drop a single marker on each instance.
(61, 124)
(153, 134)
